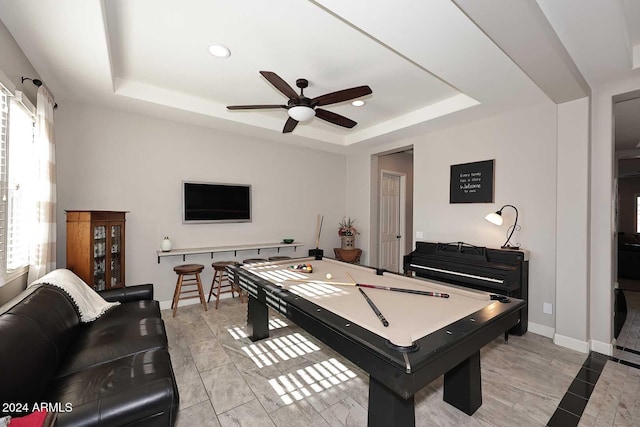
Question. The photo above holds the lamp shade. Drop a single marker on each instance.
(301, 113)
(494, 218)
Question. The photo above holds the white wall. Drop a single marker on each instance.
(523, 144)
(572, 280)
(121, 161)
(15, 65)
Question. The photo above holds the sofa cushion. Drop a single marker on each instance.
(131, 312)
(136, 390)
(36, 330)
(110, 339)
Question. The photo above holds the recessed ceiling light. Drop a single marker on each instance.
(358, 103)
(219, 51)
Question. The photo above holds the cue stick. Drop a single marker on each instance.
(364, 285)
(349, 276)
(408, 291)
(319, 221)
(384, 321)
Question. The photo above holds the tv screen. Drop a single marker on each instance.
(213, 202)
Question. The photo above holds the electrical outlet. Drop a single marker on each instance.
(547, 308)
(419, 235)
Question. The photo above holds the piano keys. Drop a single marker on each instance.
(501, 271)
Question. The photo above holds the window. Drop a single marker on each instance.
(16, 145)
(20, 174)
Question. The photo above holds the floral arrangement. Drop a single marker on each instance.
(346, 227)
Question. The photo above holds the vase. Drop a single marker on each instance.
(166, 244)
(347, 242)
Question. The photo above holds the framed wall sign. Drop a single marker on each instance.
(472, 182)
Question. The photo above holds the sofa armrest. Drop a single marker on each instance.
(129, 293)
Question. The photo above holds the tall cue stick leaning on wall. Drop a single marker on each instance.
(319, 221)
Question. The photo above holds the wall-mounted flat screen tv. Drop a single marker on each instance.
(215, 202)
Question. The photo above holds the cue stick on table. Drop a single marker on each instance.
(364, 285)
(388, 288)
(349, 276)
(408, 291)
(384, 321)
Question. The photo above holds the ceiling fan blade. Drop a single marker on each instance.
(279, 84)
(334, 118)
(253, 107)
(341, 95)
(290, 125)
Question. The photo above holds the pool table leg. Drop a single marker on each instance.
(386, 408)
(463, 385)
(257, 319)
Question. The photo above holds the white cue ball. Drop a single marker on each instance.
(328, 276)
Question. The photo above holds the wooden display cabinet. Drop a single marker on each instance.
(95, 247)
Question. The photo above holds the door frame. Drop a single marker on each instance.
(402, 201)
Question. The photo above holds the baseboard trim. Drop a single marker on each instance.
(602, 347)
(537, 329)
(571, 343)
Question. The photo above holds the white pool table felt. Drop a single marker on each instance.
(410, 316)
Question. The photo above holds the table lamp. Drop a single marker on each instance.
(496, 218)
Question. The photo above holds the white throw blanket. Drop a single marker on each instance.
(89, 303)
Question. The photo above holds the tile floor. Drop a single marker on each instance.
(292, 379)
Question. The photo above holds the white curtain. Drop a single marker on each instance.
(42, 255)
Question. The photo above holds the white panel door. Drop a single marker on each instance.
(390, 222)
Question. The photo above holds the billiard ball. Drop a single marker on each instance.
(328, 276)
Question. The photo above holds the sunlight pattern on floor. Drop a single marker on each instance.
(238, 332)
(318, 377)
(274, 350)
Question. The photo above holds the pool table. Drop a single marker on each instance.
(426, 336)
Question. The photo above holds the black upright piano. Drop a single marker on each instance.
(501, 271)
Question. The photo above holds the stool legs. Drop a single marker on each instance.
(189, 281)
(241, 293)
(176, 295)
(201, 292)
(216, 283)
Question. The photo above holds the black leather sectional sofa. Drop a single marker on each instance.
(114, 371)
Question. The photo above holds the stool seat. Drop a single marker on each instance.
(188, 268)
(221, 265)
(278, 258)
(188, 275)
(252, 260)
(219, 276)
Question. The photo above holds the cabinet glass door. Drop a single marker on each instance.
(116, 250)
(99, 257)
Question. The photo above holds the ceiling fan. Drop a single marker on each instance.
(300, 108)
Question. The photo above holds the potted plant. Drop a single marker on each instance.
(347, 232)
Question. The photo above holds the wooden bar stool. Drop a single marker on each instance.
(188, 275)
(253, 260)
(220, 275)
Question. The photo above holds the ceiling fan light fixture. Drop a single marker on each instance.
(358, 103)
(219, 51)
(301, 113)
